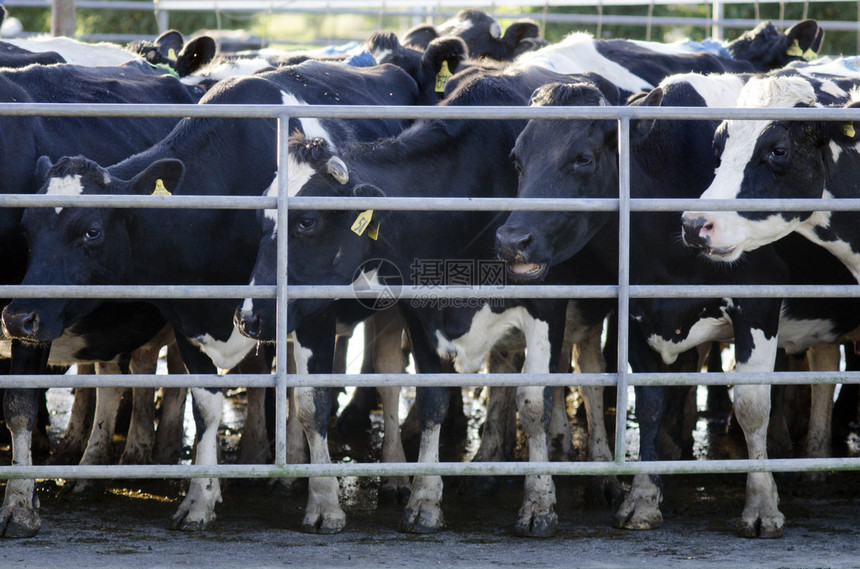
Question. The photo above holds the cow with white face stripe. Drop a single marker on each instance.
(781, 159)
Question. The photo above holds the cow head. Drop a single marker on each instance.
(77, 246)
(325, 247)
(171, 50)
(559, 159)
(767, 159)
(767, 48)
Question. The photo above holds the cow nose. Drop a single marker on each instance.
(512, 243)
(23, 324)
(695, 230)
(248, 323)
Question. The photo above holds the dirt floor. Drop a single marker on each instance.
(127, 527)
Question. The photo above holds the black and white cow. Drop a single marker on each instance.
(636, 66)
(120, 246)
(582, 163)
(323, 249)
(482, 35)
(169, 50)
(780, 159)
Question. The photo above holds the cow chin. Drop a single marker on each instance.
(527, 272)
(728, 254)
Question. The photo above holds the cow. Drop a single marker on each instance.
(168, 51)
(779, 159)
(636, 66)
(582, 163)
(200, 156)
(482, 35)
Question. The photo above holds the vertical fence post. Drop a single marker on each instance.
(623, 286)
(281, 346)
(63, 18)
(718, 16)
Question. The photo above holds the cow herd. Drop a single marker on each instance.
(464, 62)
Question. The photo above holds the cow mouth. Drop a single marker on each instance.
(721, 253)
(526, 271)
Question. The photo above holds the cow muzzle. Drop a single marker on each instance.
(698, 231)
(23, 324)
(517, 247)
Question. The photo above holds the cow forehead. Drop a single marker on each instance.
(69, 185)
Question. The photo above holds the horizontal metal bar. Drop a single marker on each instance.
(427, 112)
(142, 292)
(135, 201)
(427, 469)
(569, 204)
(431, 379)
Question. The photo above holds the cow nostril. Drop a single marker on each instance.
(524, 241)
(708, 226)
(24, 324)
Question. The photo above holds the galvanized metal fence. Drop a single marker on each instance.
(280, 380)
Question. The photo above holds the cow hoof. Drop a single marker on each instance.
(638, 517)
(324, 523)
(767, 528)
(81, 489)
(422, 519)
(17, 521)
(532, 524)
(392, 493)
(602, 491)
(479, 486)
(183, 523)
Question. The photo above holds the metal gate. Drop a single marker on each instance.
(623, 291)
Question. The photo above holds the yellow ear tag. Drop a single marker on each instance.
(373, 232)
(848, 129)
(809, 55)
(160, 190)
(442, 77)
(171, 53)
(794, 49)
(362, 221)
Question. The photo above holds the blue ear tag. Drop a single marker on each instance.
(160, 190)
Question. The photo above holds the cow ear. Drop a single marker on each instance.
(420, 36)
(842, 132)
(520, 30)
(639, 129)
(169, 40)
(367, 191)
(43, 164)
(808, 36)
(196, 53)
(160, 177)
(451, 50)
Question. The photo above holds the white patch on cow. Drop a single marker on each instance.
(381, 55)
(763, 353)
(65, 186)
(576, 53)
(226, 69)
(835, 151)
(75, 52)
(717, 90)
(704, 330)
(301, 354)
(795, 336)
(469, 350)
(225, 355)
(311, 127)
(248, 303)
(454, 26)
(731, 232)
(832, 88)
(842, 250)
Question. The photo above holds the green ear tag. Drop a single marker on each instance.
(810, 55)
(361, 222)
(848, 129)
(794, 49)
(442, 77)
(160, 190)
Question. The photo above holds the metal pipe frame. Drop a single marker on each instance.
(281, 381)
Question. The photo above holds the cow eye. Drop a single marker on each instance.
(583, 160)
(306, 224)
(92, 234)
(778, 152)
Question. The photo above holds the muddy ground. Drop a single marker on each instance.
(127, 525)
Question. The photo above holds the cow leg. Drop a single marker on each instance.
(385, 330)
(19, 513)
(170, 432)
(197, 510)
(100, 443)
(314, 352)
(640, 510)
(756, 352)
(141, 431)
(536, 517)
(818, 439)
(74, 442)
